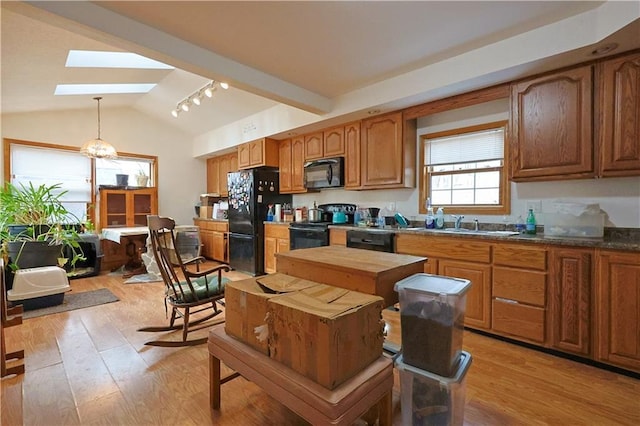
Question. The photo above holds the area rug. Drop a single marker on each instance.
(73, 301)
(144, 278)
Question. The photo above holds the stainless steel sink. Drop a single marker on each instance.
(464, 231)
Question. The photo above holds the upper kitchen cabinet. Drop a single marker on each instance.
(217, 170)
(352, 157)
(258, 153)
(329, 143)
(292, 166)
(388, 152)
(551, 126)
(619, 136)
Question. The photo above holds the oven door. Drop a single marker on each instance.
(307, 237)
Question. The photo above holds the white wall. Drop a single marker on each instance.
(619, 198)
(182, 178)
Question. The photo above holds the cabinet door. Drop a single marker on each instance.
(142, 203)
(382, 151)
(270, 249)
(233, 162)
(244, 156)
(551, 126)
(338, 237)
(352, 156)
(113, 208)
(286, 174)
(570, 282)
(478, 310)
(333, 142)
(219, 246)
(207, 243)
(256, 153)
(213, 175)
(618, 303)
(313, 146)
(223, 168)
(620, 116)
(297, 165)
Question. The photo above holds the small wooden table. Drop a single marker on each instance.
(372, 387)
(134, 240)
(366, 271)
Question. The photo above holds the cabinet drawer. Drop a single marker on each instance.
(211, 225)
(518, 320)
(520, 256)
(522, 286)
(276, 231)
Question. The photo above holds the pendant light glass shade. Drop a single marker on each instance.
(97, 148)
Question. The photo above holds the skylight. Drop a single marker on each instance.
(101, 89)
(100, 59)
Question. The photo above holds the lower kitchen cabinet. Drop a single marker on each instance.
(478, 310)
(618, 309)
(276, 240)
(570, 291)
(214, 236)
(337, 237)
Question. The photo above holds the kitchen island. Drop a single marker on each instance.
(365, 271)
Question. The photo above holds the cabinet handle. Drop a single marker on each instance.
(513, 302)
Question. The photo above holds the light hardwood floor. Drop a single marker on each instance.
(90, 366)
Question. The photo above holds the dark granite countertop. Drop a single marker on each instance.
(614, 238)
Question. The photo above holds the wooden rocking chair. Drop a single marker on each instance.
(200, 290)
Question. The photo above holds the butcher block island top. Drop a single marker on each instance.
(366, 271)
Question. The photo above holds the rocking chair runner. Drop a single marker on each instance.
(200, 290)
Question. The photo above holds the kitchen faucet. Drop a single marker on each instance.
(458, 220)
(476, 224)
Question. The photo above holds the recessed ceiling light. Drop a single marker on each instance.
(101, 89)
(604, 49)
(99, 59)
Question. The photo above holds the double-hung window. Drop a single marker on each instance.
(463, 170)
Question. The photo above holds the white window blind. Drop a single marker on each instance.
(466, 147)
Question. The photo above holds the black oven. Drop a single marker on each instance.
(308, 235)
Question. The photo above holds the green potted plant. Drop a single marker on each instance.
(35, 226)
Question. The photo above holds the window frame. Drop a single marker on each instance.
(91, 213)
(503, 208)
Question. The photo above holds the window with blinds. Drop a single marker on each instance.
(464, 169)
(70, 169)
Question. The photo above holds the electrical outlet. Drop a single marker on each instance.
(535, 205)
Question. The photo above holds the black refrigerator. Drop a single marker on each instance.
(250, 193)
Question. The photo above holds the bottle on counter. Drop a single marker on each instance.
(439, 218)
(430, 221)
(270, 213)
(531, 223)
(520, 226)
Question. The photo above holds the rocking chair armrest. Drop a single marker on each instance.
(198, 274)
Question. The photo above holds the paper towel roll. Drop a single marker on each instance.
(277, 215)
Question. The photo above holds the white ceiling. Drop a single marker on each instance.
(309, 55)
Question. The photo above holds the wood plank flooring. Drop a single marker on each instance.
(90, 366)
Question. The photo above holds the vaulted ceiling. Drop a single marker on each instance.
(325, 58)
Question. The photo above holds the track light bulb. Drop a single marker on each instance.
(175, 113)
(208, 92)
(185, 106)
(224, 85)
(196, 100)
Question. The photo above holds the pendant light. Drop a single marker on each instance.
(97, 148)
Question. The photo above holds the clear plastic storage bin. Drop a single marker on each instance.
(429, 399)
(568, 225)
(432, 311)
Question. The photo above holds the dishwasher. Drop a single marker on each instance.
(372, 239)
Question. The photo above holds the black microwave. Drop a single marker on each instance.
(324, 173)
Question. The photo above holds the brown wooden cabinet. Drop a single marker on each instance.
(462, 258)
(337, 237)
(214, 236)
(388, 152)
(276, 240)
(217, 170)
(570, 290)
(313, 148)
(126, 207)
(551, 126)
(329, 143)
(519, 288)
(619, 135)
(618, 303)
(352, 160)
(291, 152)
(258, 153)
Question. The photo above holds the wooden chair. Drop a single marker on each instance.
(200, 290)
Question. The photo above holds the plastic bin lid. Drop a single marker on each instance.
(434, 284)
(462, 368)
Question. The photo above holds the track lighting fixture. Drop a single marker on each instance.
(196, 97)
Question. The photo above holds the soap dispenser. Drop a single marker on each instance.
(440, 218)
